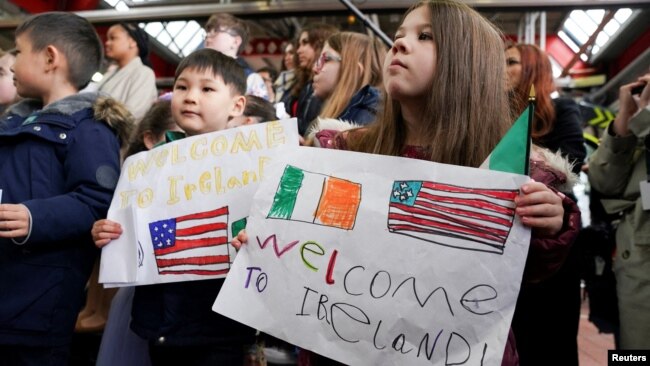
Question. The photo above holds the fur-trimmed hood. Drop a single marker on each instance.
(564, 179)
(555, 168)
(105, 109)
(321, 124)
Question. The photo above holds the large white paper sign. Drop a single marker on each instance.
(373, 260)
(180, 203)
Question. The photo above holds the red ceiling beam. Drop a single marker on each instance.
(41, 6)
(640, 45)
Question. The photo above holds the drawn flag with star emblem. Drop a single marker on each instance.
(460, 217)
(192, 244)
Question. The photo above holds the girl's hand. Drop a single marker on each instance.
(14, 221)
(104, 231)
(540, 208)
(241, 239)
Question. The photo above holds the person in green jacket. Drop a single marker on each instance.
(618, 169)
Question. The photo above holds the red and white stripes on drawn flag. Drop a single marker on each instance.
(192, 244)
(454, 216)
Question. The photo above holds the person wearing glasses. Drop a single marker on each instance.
(347, 76)
(269, 74)
(229, 35)
(301, 102)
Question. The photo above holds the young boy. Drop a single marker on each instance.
(177, 318)
(229, 35)
(59, 168)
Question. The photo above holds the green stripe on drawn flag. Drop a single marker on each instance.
(511, 153)
(285, 198)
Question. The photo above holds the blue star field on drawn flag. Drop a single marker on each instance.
(192, 244)
(163, 233)
(403, 192)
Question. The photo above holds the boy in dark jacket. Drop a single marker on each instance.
(59, 165)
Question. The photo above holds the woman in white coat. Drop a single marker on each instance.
(129, 80)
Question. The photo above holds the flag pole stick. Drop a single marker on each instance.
(531, 114)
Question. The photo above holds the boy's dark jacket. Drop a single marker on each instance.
(180, 313)
(62, 162)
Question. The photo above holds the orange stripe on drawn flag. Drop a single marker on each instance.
(460, 217)
(192, 244)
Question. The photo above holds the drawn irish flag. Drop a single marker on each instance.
(316, 198)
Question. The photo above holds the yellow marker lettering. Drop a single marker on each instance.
(145, 198)
(189, 189)
(219, 146)
(204, 182)
(176, 158)
(126, 197)
(218, 181)
(197, 154)
(234, 182)
(160, 157)
(173, 189)
(245, 144)
(274, 134)
(139, 166)
(247, 176)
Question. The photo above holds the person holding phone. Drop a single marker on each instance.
(619, 168)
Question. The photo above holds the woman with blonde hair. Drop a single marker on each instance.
(347, 76)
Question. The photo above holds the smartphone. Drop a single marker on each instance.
(638, 89)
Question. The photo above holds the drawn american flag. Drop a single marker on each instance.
(192, 244)
(454, 216)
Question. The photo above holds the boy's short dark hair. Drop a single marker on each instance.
(224, 21)
(227, 68)
(260, 108)
(73, 36)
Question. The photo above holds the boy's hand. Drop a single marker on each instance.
(14, 221)
(540, 208)
(241, 239)
(104, 231)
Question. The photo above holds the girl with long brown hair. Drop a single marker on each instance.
(446, 102)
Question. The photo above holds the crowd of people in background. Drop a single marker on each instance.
(348, 91)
